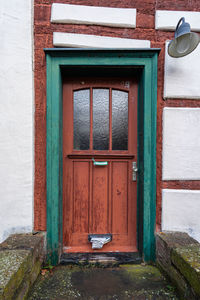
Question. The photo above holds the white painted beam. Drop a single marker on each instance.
(168, 19)
(182, 76)
(181, 211)
(106, 16)
(181, 143)
(62, 39)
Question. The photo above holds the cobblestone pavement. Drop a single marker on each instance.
(98, 283)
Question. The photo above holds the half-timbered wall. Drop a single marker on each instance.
(127, 23)
(152, 24)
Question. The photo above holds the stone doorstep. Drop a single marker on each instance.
(187, 261)
(177, 279)
(21, 257)
(178, 255)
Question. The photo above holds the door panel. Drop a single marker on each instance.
(80, 195)
(100, 200)
(119, 198)
(100, 123)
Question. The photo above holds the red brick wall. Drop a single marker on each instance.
(145, 29)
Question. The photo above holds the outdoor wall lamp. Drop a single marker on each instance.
(184, 41)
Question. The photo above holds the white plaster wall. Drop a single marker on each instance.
(182, 76)
(181, 211)
(181, 143)
(16, 117)
(81, 14)
(168, 19)
(62, 39)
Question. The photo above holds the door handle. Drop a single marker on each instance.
(99, 163)
(134, 170)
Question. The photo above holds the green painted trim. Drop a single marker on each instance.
(140, 163)
(149, 160)
(54, 159)
(146, 60)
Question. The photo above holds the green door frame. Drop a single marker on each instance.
(146, 60)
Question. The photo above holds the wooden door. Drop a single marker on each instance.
(99, 124)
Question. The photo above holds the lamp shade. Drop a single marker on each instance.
(184, 42)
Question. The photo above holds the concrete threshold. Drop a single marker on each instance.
(102, 258)
(88, 282)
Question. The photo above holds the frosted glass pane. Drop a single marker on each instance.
(119, 120)
(100, 119)
(82, 120)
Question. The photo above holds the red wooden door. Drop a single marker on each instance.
(99, 123)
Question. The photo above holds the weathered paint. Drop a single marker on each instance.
(99, 198)
(137, 58)
(54, 159)
(16, 117)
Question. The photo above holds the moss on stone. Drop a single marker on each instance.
(28, 281)
(10, 261)
(137, 270)
(187, 260)
(21, 257)
(18, 276)
(124, 282)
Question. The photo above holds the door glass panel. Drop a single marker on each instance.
(119, 120)
(100, 119)
(82, 119)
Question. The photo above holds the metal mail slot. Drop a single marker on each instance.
(98, 240)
